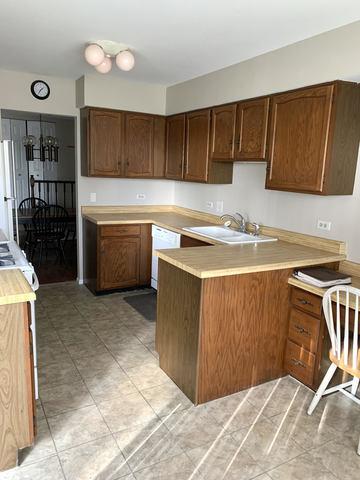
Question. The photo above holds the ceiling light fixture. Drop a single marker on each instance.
(99, 55)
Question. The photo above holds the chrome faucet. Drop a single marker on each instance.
(241, 222)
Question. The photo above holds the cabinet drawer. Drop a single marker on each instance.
(119, 230)
(299, 363)
(306, 301)
(304, 330)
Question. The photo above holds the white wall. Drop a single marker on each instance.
(333, 55)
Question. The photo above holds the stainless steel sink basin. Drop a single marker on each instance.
(227, 235)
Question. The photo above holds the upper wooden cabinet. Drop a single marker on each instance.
(175, 146)
(198, 165)
(314, 139)
(101, 143)
(251, 129)
(122, 144)
(139, 137)
(223, 132)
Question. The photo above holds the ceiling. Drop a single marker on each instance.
(173, 40)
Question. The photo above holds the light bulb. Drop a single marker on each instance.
(125, 60)
(104, 66)
(94, 54)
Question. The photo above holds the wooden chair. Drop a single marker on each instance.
(342, 320)
(30, 204)
(50, 224)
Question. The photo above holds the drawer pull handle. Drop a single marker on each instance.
(304, 302)
(298, 363)
(301, 330)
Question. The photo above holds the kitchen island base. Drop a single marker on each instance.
(217, 336)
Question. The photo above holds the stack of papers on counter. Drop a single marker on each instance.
(322, 277)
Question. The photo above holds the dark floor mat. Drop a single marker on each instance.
(145, 304)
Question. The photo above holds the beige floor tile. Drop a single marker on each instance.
(223, 459)
(338, 457)
(52, 374)
(87, 348)
(265, 442)
(301, 468)
(233, 412)
(166, 398)
(118, 336)
(47, 469)
(193, 427)
(77, 427)
(97, 460)
(130, 355)
(126, 411)
(43, 446)
(277, 396)
(147, 444)
(71, 334)
(39, 410)
(52, 352)
(63, 398)
(179, 468)
(107, 385)
(64, 310)
(147, 375)
(145, 333)
(151, 347)
(89, 367)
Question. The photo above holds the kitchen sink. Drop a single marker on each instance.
(228, 235)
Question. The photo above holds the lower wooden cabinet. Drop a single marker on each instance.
(186, 241)
(116, 256)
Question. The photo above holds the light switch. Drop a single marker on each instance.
(93, 197)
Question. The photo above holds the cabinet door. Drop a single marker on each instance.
(139, 136)
(175, 146)
(119, 262)
(105, 139)
(298, 139)
(251, 129)
(222, 132)
(197, 146)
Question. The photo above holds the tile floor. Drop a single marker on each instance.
(108, 412)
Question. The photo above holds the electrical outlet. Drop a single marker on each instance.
(219, 206)
(324, 225)
(210, 205)
(140, 196)
(93, 197)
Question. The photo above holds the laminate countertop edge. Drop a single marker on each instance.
(14, 288)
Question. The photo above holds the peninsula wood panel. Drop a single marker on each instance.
(16, 399)
(104, 135)
(251, 129)
(139, 155)
(186, 242)
(250, 350)
(177, 326)
(175, 146)
(223, 132)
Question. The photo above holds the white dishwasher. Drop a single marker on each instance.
(161, 239)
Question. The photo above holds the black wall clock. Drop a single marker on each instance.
(40, 89)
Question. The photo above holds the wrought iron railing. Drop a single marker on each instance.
(55, 192)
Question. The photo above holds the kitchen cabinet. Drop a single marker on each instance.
(17, 400)
(116, 256)
(175, 146)
(198, 165)
(186, 241)
(102, 138)
(314, 139)
(223, 132)
(122, 144)
(251, 129)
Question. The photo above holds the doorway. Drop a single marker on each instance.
(43, 170)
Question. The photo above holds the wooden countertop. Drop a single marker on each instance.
(225, 260)
(14, 287)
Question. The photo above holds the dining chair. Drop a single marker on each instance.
(50, 224)
(341, 310)
(29, 205)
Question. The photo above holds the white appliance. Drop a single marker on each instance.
(11, 256)
(161, 239)
(8, 200)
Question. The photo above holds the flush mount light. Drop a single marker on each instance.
(99, 55)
